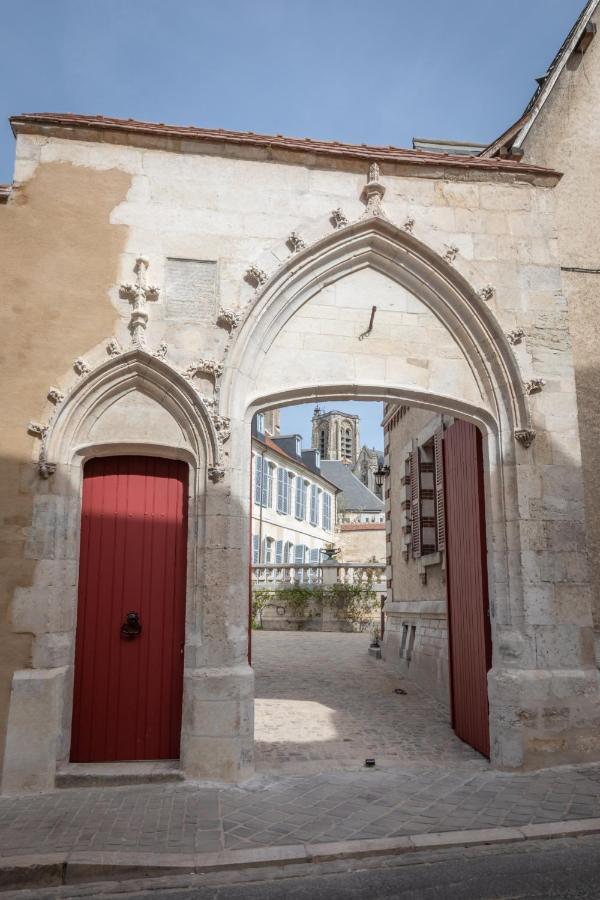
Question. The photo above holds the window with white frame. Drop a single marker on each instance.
(301, 489)
(268, 545)
(255, 549)
(314, 504)
(258, 469)
(267, 483)
(282, 480)
(278, 553)
(326, 512)
(298, 446)
(260, 423)
(288, 552)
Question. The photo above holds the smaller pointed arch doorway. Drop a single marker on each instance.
(128, 682)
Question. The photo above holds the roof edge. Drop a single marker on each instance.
(71, 122)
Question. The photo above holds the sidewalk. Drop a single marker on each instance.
(352, 805)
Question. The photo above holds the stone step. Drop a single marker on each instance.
(111, 774)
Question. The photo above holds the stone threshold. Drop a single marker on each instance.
(89, 867)
(114, 774)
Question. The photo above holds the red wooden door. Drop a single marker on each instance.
(469, 638)
(128, 690)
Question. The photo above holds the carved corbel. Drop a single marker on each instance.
(255, 276)
(207, 367)
(338, 218)
(534, 385)
(515, 336)
(487, 293)
(113, 348)
(216, 473)
(45, 468)
(81, 367)
(295, 242)
(55, 396)
(525, 436)
(37, 429)
(229, 319)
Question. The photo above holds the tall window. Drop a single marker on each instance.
(278, 553)
(258, 469)
(288, 552)
(284, 490)
(267, 483)
(301, 488)
(314, 504)
(326, 512)
(255, 549)
(269, 550)
(322, 442)
(263, 481)
(346, 443)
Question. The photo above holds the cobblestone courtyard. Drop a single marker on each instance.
(323, 704)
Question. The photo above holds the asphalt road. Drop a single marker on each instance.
(565, 869)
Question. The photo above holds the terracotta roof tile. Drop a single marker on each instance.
(323, 148)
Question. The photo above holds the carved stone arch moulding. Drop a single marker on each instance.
(133, 370)
(377, 243)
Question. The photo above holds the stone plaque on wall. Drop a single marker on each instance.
(191, 290)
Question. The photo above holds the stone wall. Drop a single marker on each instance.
(269, 258)
(565, 136)
(361, 542)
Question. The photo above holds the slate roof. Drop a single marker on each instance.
(355, 495)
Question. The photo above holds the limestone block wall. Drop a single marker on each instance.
(455, 258)
(361, 542)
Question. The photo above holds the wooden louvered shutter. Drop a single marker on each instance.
(440, 507)
(415, 503)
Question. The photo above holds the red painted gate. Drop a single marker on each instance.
(128, 685)
(466, 561)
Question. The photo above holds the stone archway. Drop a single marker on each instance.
(301, 341)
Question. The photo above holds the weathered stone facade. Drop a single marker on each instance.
(181, 372)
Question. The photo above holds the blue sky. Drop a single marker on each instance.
(374, 72)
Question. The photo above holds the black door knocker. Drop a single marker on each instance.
(131, 626)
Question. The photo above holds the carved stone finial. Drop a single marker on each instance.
(228, 318)
(486, 293)
(139, 294)
(525, 436)
(409, 224)
(255, 276)
(216, 473)
(516, 336)
(206, 367)
(161, 350)
(534, 385)
(295, 242)
(81, 366)
(373, 193)
(338, 218)
(55, 396)
(451, 253)
(113, 348)
(37, 429)
(374, 172)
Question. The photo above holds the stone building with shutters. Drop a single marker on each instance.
(162, 278)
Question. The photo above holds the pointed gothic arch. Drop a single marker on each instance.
(377, 244)
(133, 371)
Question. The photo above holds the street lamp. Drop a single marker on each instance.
(381, 473)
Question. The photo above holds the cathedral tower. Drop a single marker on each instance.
(336, 435)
